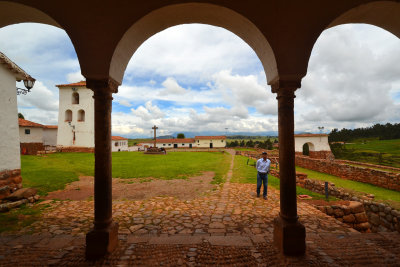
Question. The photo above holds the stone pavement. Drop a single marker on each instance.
(228, 226)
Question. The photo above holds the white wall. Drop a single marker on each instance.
(35, 136)
(205, 143)
(122, 145)
(50, 136)
(9, 141)
(320, 143)
(84, 131)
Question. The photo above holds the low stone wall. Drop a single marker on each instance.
(10, 181)
(75, 149)
(31, 148)
(368, 165)
(353, 215)
(380, 178)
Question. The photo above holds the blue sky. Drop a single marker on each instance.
(196, 78)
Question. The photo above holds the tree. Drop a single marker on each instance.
(180, 136)
(20, 116)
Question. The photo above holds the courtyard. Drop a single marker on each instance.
(204, 224)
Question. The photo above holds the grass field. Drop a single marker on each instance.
(54, 171)
(20, 217)
(383, 194)
(247, 174)
(381, 152)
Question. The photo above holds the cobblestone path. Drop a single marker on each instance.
(228, 226)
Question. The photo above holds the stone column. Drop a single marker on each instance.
(103, 238)
(289, 233)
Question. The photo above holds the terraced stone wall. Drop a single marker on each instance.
(31, 148)
(76, 149)
(10, 181)
(385, 179)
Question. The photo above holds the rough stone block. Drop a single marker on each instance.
(349, 218)
(362, 226)
(374, 219)
(361, 217)
(329, 211)
(338, 213)
(101, 242)
(22, 193)
(356, 207)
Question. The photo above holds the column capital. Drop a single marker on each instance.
(282, 85)
(108, 84)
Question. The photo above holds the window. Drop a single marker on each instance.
(81, 115)
(198, 141)
(116, 143)
(169, 144)
(75, 98)
(27, 131)
(222, 141)
(68, 115)
(163, 144)
(183, 144)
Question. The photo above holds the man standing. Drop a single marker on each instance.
(262, 174)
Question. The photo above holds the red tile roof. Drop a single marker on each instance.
(50, 126)
(210, 137)
(118, 138)
(81, 83)
(309, 135)
(26, 123)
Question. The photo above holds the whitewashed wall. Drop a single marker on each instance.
(319, 143)
(9, 141)
(35, 136)
(84, 131)
(205, 143)
(50, 136)
(122, 145)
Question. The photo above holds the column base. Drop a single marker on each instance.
(289, 237)
(101, 242)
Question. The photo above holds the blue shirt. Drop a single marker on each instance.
(263, 165)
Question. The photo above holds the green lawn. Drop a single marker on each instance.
(53, 171)
(380, 193)
(381, 152)
(245, 172)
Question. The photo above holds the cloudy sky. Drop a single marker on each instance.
(196, 78)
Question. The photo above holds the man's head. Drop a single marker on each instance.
(264, 155)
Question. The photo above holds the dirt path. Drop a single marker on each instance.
(138, 189)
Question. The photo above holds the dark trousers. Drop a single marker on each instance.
(262, 178)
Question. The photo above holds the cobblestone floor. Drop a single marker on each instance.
(229, 226)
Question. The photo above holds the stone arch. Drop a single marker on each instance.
(68, 115)
(81, 115)
(307, 147)
(383, 14)
(202, 13)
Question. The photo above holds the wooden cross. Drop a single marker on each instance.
(155, 138)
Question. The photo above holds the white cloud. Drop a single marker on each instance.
(148, 112)
(75, 77)
(172, 88)
(125, 103)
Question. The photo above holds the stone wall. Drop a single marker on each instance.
(75, 149)
(10, 181)
(381, 217)
(353, 215)
(385, 179)
(31, 148)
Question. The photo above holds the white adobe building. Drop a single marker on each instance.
(10, 162)
(34, 136)
(75, 116)
(197, 142)
(318, 145)
(76, 119)
(119, 143)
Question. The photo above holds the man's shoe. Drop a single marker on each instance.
(265, 197)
